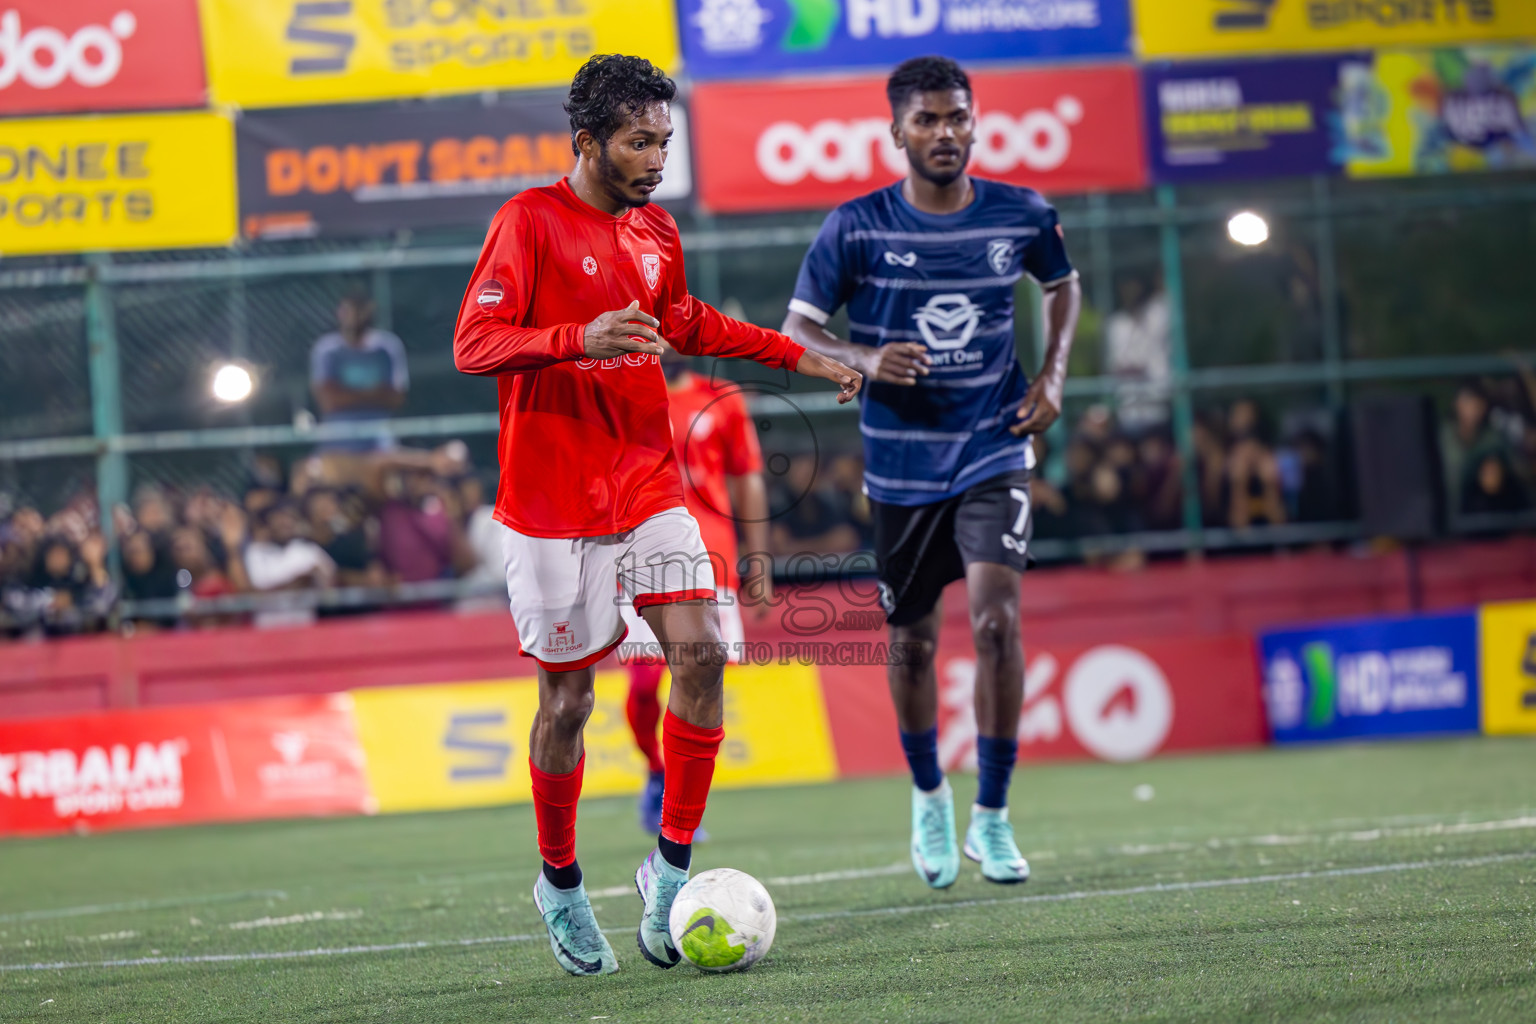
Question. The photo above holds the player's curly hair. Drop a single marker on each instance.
(611, 88)
(923, 74)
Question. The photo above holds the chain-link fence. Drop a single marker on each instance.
(1421, 285)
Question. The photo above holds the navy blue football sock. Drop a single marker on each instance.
(995, 756)
(922, 750)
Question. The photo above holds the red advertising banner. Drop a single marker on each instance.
(1110, 702)
(274, 757)
(99, 55)
(806, 145)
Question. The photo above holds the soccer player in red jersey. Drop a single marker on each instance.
(576, 286)
(722, 468)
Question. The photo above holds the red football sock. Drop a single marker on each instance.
(690, 766)
(644, 710)
(554, 807)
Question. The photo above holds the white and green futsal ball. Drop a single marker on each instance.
(723, 920)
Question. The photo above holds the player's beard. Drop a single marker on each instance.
(940, 178)
(613, 182)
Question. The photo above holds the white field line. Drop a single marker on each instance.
(849, 875)
(916, 908)
(1369, 835)
(312, 916)
(165, 904)
(1161, 887)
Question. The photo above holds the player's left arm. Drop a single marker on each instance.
(696, 328)
(1046, 260)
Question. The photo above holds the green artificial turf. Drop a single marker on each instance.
(1434, 920)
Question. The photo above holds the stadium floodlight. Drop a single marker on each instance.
(232, 383)
(1248, 228)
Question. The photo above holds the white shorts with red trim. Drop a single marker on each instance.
(732, 633)
(567, 595)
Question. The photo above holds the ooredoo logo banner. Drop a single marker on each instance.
(99, 55)
(816, 144)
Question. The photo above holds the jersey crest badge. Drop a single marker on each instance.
(589, 265)
(999, 255)
(651, 264)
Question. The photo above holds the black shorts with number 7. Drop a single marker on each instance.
(921, 549)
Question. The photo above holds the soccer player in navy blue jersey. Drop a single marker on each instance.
(927, 269)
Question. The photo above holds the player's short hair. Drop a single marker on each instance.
(923, 74)
(609, 89)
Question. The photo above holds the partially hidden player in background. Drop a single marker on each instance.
(926, 269)
(722, 466)
(576, 286)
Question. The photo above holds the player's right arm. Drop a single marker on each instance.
(825, 283)
(490, 339)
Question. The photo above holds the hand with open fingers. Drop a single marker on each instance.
(848, 381)
(621, 331)
(1041, 407)
(900, 362)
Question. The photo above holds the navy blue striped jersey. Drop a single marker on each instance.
(946, 281)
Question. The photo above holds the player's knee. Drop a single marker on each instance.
(699, 672)
(995, 627)
(568, 709)
(917, 647)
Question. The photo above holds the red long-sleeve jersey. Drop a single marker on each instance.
(586, 445)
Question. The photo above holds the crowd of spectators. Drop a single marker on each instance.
(382, 518)
(336, 519)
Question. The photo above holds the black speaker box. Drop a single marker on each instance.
(1398, 482)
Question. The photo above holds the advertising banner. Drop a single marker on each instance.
(1193, 28)
(285, 52)
(1441, 111)
(371, 169)
(1110, 702)
(812, 144)
(1372, 677)
(759, 38)
(274, 757)
(1508, 662)
(466, 745)
(1243, 119)
(135, 181)
(99, 55)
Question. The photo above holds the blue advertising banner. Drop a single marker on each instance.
(1372, 677)
(757, 38)
(1243, 119)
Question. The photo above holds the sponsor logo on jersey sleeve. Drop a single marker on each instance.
(489, 295)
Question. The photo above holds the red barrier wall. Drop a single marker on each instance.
(1062, 608)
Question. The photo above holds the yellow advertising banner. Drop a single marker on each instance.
(1507, 664)
(1194, 28)
(466, 745)
(140, 181)
(1452, 110)
(276, 53)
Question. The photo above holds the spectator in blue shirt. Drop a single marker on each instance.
(358, 372)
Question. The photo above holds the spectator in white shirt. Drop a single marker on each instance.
(1136, 350)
